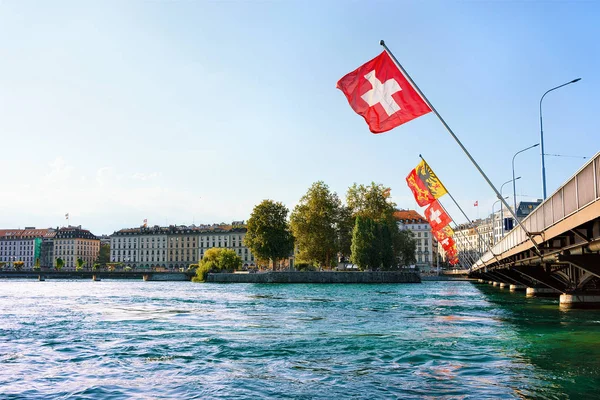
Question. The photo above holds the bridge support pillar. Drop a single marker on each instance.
(541, 292)
(515, 288)
(503, 285)
(496, 283)
(580, 300)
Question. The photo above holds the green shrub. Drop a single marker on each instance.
(203, 270)
(305, 267)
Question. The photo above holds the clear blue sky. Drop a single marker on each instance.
(181, 112)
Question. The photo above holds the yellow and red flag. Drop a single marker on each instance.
(425, 185)
(443, 233)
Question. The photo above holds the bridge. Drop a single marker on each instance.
(565, 259)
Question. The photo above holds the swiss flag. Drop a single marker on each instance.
(437, 217)
(380, 93)
(447, 243)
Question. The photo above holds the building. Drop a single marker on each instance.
(23, 245)
(526, 207)
(418, 225)
(72, 243)
(176, 247)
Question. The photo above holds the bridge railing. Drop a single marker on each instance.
(578, 192)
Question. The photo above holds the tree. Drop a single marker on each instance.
(228, 260)
(345, 228)
(18, 265)
(2, 264)
(219, 259)
(96, 267)
(214, 260)
(373, 202)
(59, 264)
(362, 238)
(268, 235)
(104, 254)
(315, 225)
(79, 263)
(406, 245)
(36, 266)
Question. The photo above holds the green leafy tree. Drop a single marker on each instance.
(362, 239)
(315, 224)
(268, 234)
(36, 266)
(229, 260)
(345, 228)
(406, 246)
(96, 267)
(371, 201)
(18, 265)
(60, 263)
(219, 259)
(2, 264)
(104, 254)
(79, 263)
(389, 243)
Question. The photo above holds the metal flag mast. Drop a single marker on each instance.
(382, 43)
(463, 213)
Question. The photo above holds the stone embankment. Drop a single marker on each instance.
(317, 277)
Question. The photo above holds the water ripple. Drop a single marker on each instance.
(115, 340)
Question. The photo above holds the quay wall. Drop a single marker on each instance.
(317, 277)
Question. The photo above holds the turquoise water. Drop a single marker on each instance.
(116, 340)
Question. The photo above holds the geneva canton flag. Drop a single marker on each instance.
(380, 93)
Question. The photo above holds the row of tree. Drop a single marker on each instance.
(321, 228)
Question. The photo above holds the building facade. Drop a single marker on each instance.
(72, 243)
(23, 245)
(175, 247)
(417, 224)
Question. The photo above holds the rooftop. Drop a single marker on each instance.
(409, 217)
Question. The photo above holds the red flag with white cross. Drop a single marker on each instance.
(381, 94)
(447, 243)
(437, 217)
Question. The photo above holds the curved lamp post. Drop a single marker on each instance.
(494, 220)
(542, 134)
(513, 174)
(502, 209)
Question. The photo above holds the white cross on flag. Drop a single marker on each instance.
(381, 94)
(436, 216)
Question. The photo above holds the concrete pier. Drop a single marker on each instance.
(579, 301)
(515, 288)
(541, 292)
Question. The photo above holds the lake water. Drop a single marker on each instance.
(134, 339)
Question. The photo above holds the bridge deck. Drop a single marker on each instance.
(572, 206)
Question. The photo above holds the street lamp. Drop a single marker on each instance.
(513, 175)
(502, 209)
(494, 218)
(542, 134)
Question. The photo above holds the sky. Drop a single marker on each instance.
(183, 112)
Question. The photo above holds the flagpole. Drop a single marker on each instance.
(463, 213)
(382, 43)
